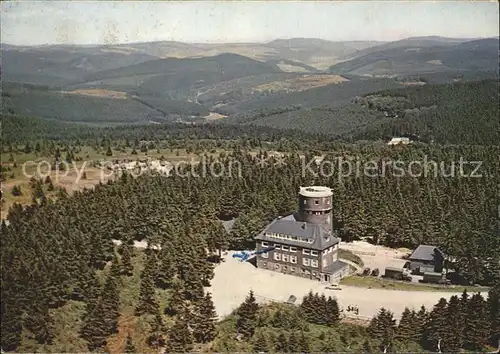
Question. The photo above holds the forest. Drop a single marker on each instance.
(61, 269)
(67, 287)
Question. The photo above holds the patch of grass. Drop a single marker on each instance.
(346, 254)
(381, 283)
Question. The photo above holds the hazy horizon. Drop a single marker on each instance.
(35, 23)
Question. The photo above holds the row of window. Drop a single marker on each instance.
(292, 269)
(291, 249)
(292, 259)
(288, 237)
(316, 201)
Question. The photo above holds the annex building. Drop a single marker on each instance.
(304, 243)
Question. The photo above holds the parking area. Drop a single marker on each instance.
(377, 256)
(234, 279)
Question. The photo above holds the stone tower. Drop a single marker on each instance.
(315, 205)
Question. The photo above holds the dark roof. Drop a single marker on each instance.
(335, 267)
(321, 238)
(426, 253)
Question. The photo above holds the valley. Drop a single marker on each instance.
(281, 194)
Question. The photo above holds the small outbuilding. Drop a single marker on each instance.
(427, 258)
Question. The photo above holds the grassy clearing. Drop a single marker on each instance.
(346, 254)
(381, 283)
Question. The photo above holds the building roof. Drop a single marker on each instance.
(316, 191)
(321, 238)
(426, 253)
(398, 140)
(335, 267)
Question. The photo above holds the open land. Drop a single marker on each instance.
(234, 279)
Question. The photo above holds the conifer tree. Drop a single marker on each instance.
(383, 327)
(127, 266)
(247, 316)
(111, 303)
(166, 271)
(303, 343)
(453, 341)
(436, 331)
(176, 302)
(493, 306)
(332, 311)
(204, 329)
(156, 336)
(477, 327)
(406, 327)
(180, 339)
(260, 343)
(282, 344)
(293, 342)
(147, 296)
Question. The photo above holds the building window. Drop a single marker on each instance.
(293, 259)
(304, 251)
(276, 246)
(264, 244)
(305, 261)
(284, 248)
(277, 266)
(314, 263)
(292, 269)
(316, 202)
(328, 201)
(285, 267)
(314, 253)
(277, 256)
(264, 264)
(293, 249)
(265, 255)
(285, 258)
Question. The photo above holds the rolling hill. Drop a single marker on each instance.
(422, 57)
(457, 113)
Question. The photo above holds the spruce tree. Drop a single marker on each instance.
(204, 329)
(406, 328)
(477, 327)
(454, 337)
(282, 344)
(147, 296)
(127, 266)
(247, 316)
(156, 336)
(111, 303)
(180, 339)
(332, 311)
(260, 343)
(176, 301)
(304, 346)
(383, 328)
(166, 271)
(493, 308)
(293, 342)
(436, 331)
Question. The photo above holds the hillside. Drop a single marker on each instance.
(459, 113)
(57, 66)
(93, 106)
(413, 58)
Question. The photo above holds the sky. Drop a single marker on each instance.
(107, 22)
